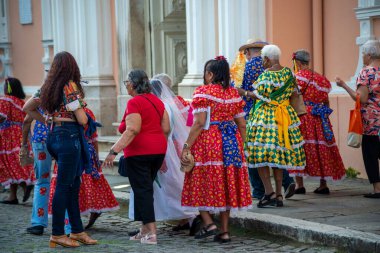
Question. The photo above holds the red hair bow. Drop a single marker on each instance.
(293, 56)
(220, 58)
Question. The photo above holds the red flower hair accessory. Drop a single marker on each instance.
(220, 58)
(293, 56)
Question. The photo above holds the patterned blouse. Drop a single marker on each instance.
(370, 78)
(253, 69)
(72, 100)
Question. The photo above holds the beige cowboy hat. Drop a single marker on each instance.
(257, 43)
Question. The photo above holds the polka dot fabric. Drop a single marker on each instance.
(10, 141)
(322, 155)
(212, 185)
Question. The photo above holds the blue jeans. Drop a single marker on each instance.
(258, 187)
(42, 169)
(64, 144)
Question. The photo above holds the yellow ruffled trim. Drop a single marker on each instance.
(237, 69)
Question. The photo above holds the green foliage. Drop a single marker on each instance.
(352, 173)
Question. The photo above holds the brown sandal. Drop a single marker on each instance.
(62, 240)
(83, 238)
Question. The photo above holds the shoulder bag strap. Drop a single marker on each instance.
(159, 115)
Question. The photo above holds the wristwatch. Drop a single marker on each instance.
(112, 152)
(186, 145)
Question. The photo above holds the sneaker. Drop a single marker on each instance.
(149, 239)
(290, 190)
(35, 230)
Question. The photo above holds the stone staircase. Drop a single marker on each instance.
(105, 143)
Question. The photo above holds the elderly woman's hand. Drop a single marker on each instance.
(184, 159)
(108, 162)
(339, 82)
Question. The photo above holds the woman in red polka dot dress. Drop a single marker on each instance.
(11, 118)
(95, 194)
(219, 181)
(323, 160)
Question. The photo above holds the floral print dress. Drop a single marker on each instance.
(323, 159)
(11, 172)
(219, 180)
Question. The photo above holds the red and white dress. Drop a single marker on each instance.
(11, 172)
(215, 184)
(95, 195)
(322, 155)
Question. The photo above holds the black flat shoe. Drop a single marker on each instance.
(133, 233)
(10, 202)
(28, 190)
(290, 191)
(35, 230)
(300, 190)
(267, 201)
(279, 201)
(92, 220)
(204, 232)
(322, 191)
(218, 238)
(196, 225)
(180, 227)
(372, 195)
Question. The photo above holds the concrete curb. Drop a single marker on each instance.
(309, 232)
(301, 230)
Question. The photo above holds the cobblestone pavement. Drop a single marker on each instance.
(111, 231)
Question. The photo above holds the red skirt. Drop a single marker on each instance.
(11, 172)
(211, 186)
(95, 195)
(323, 159)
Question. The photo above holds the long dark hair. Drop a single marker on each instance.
(13, 87)
(221, 70)
(63, 69)
(139, 81)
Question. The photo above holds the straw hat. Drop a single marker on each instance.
(257, 43)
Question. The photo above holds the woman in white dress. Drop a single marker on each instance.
(169, 181)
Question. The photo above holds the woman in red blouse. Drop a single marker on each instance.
(144, 129)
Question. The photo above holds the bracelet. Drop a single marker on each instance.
(246, 93)
(112, 152)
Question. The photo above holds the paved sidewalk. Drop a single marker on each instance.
(111, 231)
(344, 218)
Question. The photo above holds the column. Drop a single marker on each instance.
(5, 44)
(367, 10)
(47, 32)
(83, 28)
(201, 42)
(239, 21)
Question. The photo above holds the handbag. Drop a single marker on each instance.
(123, 171)
(296, 101)
(355, 128)
(189, 166)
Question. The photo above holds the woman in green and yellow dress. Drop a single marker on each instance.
(273, 137)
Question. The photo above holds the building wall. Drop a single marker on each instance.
(26, 46)
(340, 28)
(328, 29)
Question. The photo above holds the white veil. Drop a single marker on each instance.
(178, 129)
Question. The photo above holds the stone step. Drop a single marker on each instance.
(105, 143)
(114, 169)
